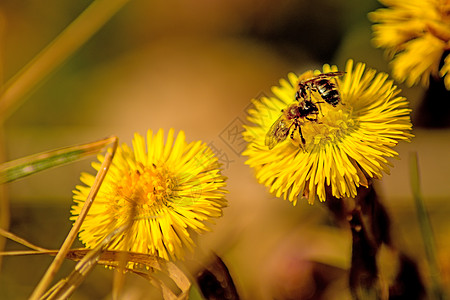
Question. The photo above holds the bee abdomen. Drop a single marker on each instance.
(331, 97)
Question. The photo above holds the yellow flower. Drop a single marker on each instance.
(348, 144)
(170, 190)
(416, 34)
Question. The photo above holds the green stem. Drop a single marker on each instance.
(57, 262)
(5, 213)
(426, 230)
(51, 57)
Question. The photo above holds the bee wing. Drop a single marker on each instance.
(278, 131)
(331, 74)
(323, 75)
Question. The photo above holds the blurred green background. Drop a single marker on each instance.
(194, 66)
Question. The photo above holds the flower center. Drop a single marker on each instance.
(147, 186)
(332, 124)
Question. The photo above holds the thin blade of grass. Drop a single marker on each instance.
(110, 258)
(59, 50)
(19, 240)
(56, 264)
(119, 277)
(29, 165)
(141, 264)
(65, 287)
(426, 229)
(5, 210)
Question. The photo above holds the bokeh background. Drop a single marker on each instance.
(194, 66)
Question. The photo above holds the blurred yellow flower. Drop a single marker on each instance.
(169, 190)
(416, 35)
(348, 144)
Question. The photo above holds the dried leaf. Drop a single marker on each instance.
(65, 287)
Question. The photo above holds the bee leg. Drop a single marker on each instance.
(300, 132)
(296, 125)
(301, 135)
(292, 132)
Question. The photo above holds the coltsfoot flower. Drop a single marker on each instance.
(416, 35)
(170, 190)
(345, 146)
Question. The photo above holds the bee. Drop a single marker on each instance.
(322, 84)
(291, 117)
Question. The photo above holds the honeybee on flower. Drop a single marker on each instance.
(346, 146)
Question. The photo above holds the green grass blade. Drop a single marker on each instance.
(29, 165)
(56, 53)
(436, 291)
(70, 238)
